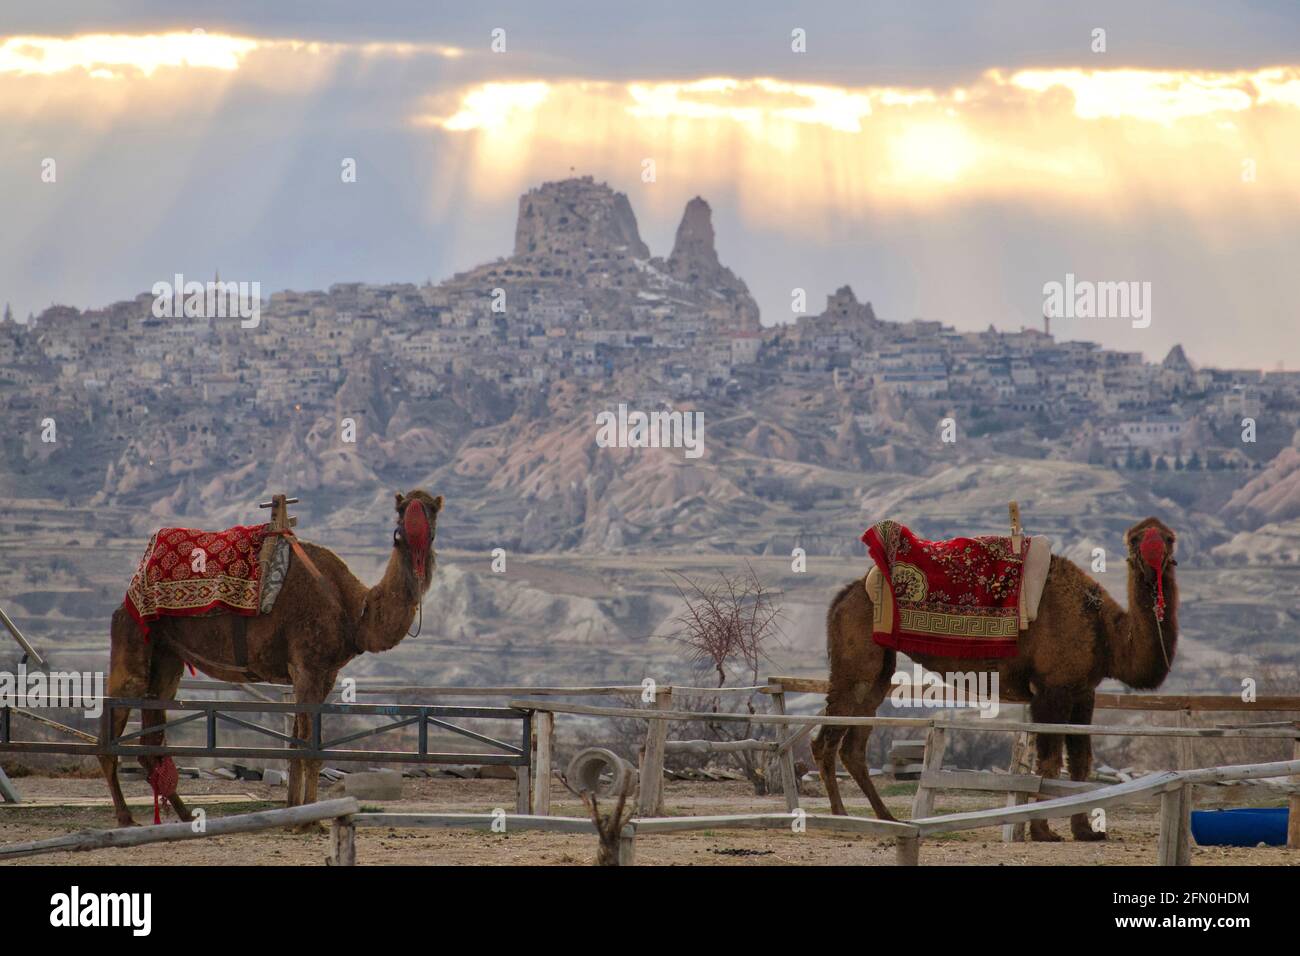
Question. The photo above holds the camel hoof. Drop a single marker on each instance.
(1045, 835)
(1089, 835)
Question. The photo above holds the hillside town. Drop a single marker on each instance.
(582, 302)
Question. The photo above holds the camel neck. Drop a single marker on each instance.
(389, 608)
(1144, 645)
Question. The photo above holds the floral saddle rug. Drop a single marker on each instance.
(191, 573)
(963, 597)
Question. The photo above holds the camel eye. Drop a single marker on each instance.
(397, 536)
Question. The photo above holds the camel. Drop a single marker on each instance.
(322, 619)
(1080, 637)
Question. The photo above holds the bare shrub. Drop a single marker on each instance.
(725, 628)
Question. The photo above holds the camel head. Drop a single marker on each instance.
(1150, 546)
(417, 522)
(1151, 554)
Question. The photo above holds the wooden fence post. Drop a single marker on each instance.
(1186, 756)
(1014, 832)
(627, 846)
(1293, 817)
(343, 842)
(1022, 761)
(785, 757)
(650, 802)
(545, 729)
(1174, 845)
(523, 790)
(936, 742)
(287, 719)
(907, 850)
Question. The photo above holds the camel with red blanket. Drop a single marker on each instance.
(200, 598)
(935, 591)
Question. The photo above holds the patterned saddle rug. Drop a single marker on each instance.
(190, 573)
(955, 598)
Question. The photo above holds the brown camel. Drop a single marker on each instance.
(322, 619)
(1080, 637)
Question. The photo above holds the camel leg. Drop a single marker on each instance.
(1078, 749)
(825, 745)
(854, 753)
(109, 766)
(128, 676)
(1048, 707)
(315, 694)
(164, 680)
(308, 688)
(860, 670)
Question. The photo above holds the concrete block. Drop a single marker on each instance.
(374, 785)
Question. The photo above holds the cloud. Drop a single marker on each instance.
(950, 193)
(1060, 135)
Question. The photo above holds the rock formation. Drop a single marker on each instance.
(571, 217)
(694, 260)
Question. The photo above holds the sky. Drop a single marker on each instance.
(946, 160)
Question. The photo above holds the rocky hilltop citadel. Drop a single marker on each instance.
(486, 387)
(487, 384)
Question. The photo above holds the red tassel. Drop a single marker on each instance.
(163, 780)
(1152, 549)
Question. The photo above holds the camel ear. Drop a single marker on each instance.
(398, 495)
(437, 504)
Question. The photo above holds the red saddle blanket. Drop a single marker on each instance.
(173, 580)
(957, 598)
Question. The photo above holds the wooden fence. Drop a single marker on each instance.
(1018, 787)
(172, 832)
(1172, 787)
(316, 745)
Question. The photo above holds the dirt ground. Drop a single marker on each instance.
(1132, 840)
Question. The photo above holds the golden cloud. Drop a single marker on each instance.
(800, 148)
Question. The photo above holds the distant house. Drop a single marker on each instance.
(1161, 431)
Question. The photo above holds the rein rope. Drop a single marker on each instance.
(1160, 632)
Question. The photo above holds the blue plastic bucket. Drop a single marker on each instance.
(1248, 826)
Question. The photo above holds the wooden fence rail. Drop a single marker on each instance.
(1177, 702)
(172, 832)
(816, 720)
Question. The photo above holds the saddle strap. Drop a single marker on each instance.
(241, 667)
(302, 556)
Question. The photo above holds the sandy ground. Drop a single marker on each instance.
(1132, 832)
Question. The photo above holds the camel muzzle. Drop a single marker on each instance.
(1154, 553)
(415, 527)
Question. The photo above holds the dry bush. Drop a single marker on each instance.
(726, 627)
